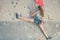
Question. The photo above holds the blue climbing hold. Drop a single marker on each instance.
(28, 7)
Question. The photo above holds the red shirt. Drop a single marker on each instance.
(40, 2)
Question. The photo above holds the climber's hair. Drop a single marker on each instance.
(41, 9)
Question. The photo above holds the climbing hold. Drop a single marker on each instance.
(10, 14)
(5, 22)
(55, 34)
(24, 7)
(25, 27)
(28, 7)
(16, 3)
(14, 6)
(30, 35)
(57, 25)
(58, 33)
(12, 2)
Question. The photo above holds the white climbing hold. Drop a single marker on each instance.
(57, 25)
(58, 33)
(30, 35)
(55, 34)
(25, 27)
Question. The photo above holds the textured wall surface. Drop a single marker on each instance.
(13, 29)
(52, 9)
(9, 7)
(28, 31)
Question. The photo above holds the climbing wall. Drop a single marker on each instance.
(13, 29)
(8, 8)
(52, 10)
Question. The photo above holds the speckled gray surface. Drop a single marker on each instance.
(18, 31)
(28, 31)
